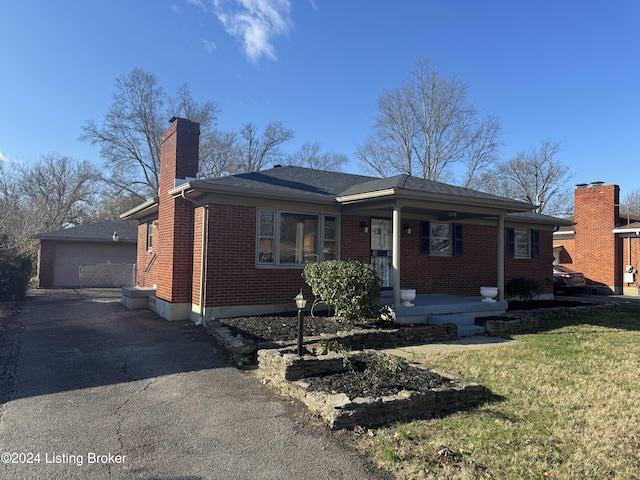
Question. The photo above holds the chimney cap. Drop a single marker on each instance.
(581, 185)
(597, 183)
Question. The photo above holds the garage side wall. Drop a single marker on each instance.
(46, 261)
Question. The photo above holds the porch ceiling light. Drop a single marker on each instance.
(364, 226)
(115, 236)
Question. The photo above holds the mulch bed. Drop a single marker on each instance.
(367, 377)
(284, 327)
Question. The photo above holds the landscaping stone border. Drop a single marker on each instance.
(286, 372)
(243, 351)
(531, 321)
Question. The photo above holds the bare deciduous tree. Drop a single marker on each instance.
(310, 155)
(536, 176)
(61, 190)
(631, 204)
(129, 137)
(427, 127)
(51, 194)
(256, 151)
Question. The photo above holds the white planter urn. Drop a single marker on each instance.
(407, 296)
(488, 293)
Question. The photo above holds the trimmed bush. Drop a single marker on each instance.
(352, 288)
(525, 288)
(15, 271)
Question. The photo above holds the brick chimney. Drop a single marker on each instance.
(598, 253)
(178, 160)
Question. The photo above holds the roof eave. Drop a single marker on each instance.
(196, 189)
(141, 210)
(499, 204)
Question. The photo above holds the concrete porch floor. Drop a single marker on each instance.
(437, 308)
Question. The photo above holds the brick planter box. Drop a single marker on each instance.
(286, 372)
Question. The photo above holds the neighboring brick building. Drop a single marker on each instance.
(603, 244)
(238, 244)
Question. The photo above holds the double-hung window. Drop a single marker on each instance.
(295, 239)
(150, 226)
(523, 243)
(440, 239)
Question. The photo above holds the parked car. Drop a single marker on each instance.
(567, 280)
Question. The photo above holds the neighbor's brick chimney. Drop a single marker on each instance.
(597, 250)
(178, 160)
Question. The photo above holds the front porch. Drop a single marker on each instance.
(437, 309)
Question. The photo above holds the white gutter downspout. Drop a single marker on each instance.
(395, 258)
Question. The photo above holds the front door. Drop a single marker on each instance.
(381, 249)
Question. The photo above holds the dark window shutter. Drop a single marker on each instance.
(511, 242)
(424, 237)
(535, 243)
(457, 239)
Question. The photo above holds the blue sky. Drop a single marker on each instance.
(567, 71)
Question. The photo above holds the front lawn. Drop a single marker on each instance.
(566, 405)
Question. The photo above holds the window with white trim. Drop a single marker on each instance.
(150, 227)
(291, 239)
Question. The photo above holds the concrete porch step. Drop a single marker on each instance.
(458, 319)
(465, 323)
(470, 330)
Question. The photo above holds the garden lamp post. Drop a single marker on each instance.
(300, 304)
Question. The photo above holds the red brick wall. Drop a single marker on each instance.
(197, 255)
(598, 253)
(233, 279)
(46, 263)
(146, 275)
(476, 267)
(567, 253)
(178, 159)
(232, 275)
(354, 243)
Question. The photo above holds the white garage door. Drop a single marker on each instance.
(97, 265)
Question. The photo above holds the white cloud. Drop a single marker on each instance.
(255, 23)
(209, 46)
(3, 158)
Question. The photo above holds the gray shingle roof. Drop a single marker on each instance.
(95, 232)
(290, 180)
(307, 182)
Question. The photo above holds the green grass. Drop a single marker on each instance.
(565, 404)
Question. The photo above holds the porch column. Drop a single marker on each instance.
(395, 259)
(500, 262)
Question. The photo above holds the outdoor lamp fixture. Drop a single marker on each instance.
(115, 236)
(364, 226)
(407, 228)
(300, 304)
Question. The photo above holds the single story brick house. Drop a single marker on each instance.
(237, 245)
(603, 243)
(101, 254)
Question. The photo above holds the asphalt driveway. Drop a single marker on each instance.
(89, 389)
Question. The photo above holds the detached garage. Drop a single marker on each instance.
(98, 255)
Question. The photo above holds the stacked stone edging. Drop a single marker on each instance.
(531, 321)
(245, 351)
(286, 372)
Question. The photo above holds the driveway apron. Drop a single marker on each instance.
(93, 390)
